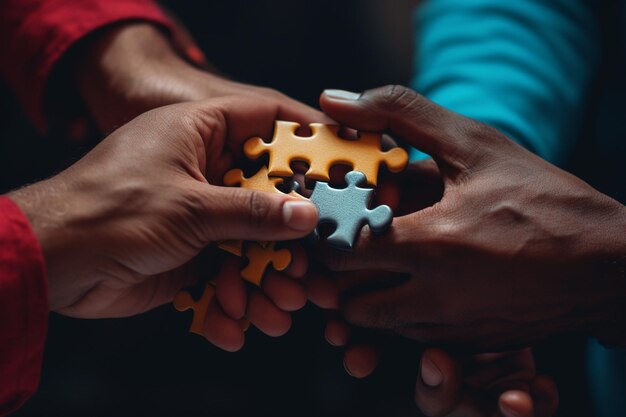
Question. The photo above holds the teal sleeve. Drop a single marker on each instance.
(523, 67)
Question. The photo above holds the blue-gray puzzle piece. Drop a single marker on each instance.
(347, 209)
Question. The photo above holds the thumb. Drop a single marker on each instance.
(446, 136)
(438, 388)
(241, 214)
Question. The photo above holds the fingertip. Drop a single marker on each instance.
(266, 316)
(299, 215)
(430, 373)
(438, 388)
(337, 333)
(222, 331)
(516, 404)
(285, 293)
(360, 361)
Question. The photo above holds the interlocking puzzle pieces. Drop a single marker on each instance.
(184, 301)
(260, 255)
(347, 209)
(324, 149)
(260, 181)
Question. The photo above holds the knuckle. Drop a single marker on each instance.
(259, 209)
(271, 93)
(398, 98)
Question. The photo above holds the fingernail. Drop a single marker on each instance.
(342, 95)
(431, 375)
(347, 370)
(300, 215)
(508, 412)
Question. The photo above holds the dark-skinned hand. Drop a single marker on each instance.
(516, 249)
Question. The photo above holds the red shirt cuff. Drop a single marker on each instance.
(23, 308)
(37, 33)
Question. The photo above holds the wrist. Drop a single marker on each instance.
(49, 207)
(131, 68)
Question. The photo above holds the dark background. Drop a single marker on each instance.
(150, 365)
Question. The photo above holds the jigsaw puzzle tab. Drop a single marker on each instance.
(260, 181)
(184, 301)
(347, 209)
(324, 149)
(259, 258)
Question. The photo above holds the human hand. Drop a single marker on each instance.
(119, 227)
(485, 385)
(132, 68)
(268, 307)
(516, 249)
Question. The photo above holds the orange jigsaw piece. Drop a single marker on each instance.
(260, 181)
(184, 301)
(260, 257)
(323, 149)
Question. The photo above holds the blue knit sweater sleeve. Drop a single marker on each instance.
(522, 66)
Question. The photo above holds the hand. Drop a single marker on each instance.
(119, 227)
(267, 307)
(491, 384)
(133, 68)
(516, 249)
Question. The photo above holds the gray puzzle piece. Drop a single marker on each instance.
(347, 209)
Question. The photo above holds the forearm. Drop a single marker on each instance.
(37, 34)
(522, 67)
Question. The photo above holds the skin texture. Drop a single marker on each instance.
(516, 249)
(119, 228)
(488, 209)
(132, 68)
(485, 385)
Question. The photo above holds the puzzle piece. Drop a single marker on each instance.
(260, 181)
(260, 257)
(323, 149)
(234, 247)
(347, 208)
(259, 254)
(184, 301)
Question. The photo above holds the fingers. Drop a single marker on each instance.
(438, 388)
(516, 404)
(429, 127)
(337, 332)
(286, 293)
(263, 314)
(361, 360)
(223, 331)
(386, 251)
(230, 289)
(231, 213)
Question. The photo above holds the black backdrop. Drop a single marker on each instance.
(150, 365)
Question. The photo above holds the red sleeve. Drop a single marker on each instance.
(23, 308)
(36, 33)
